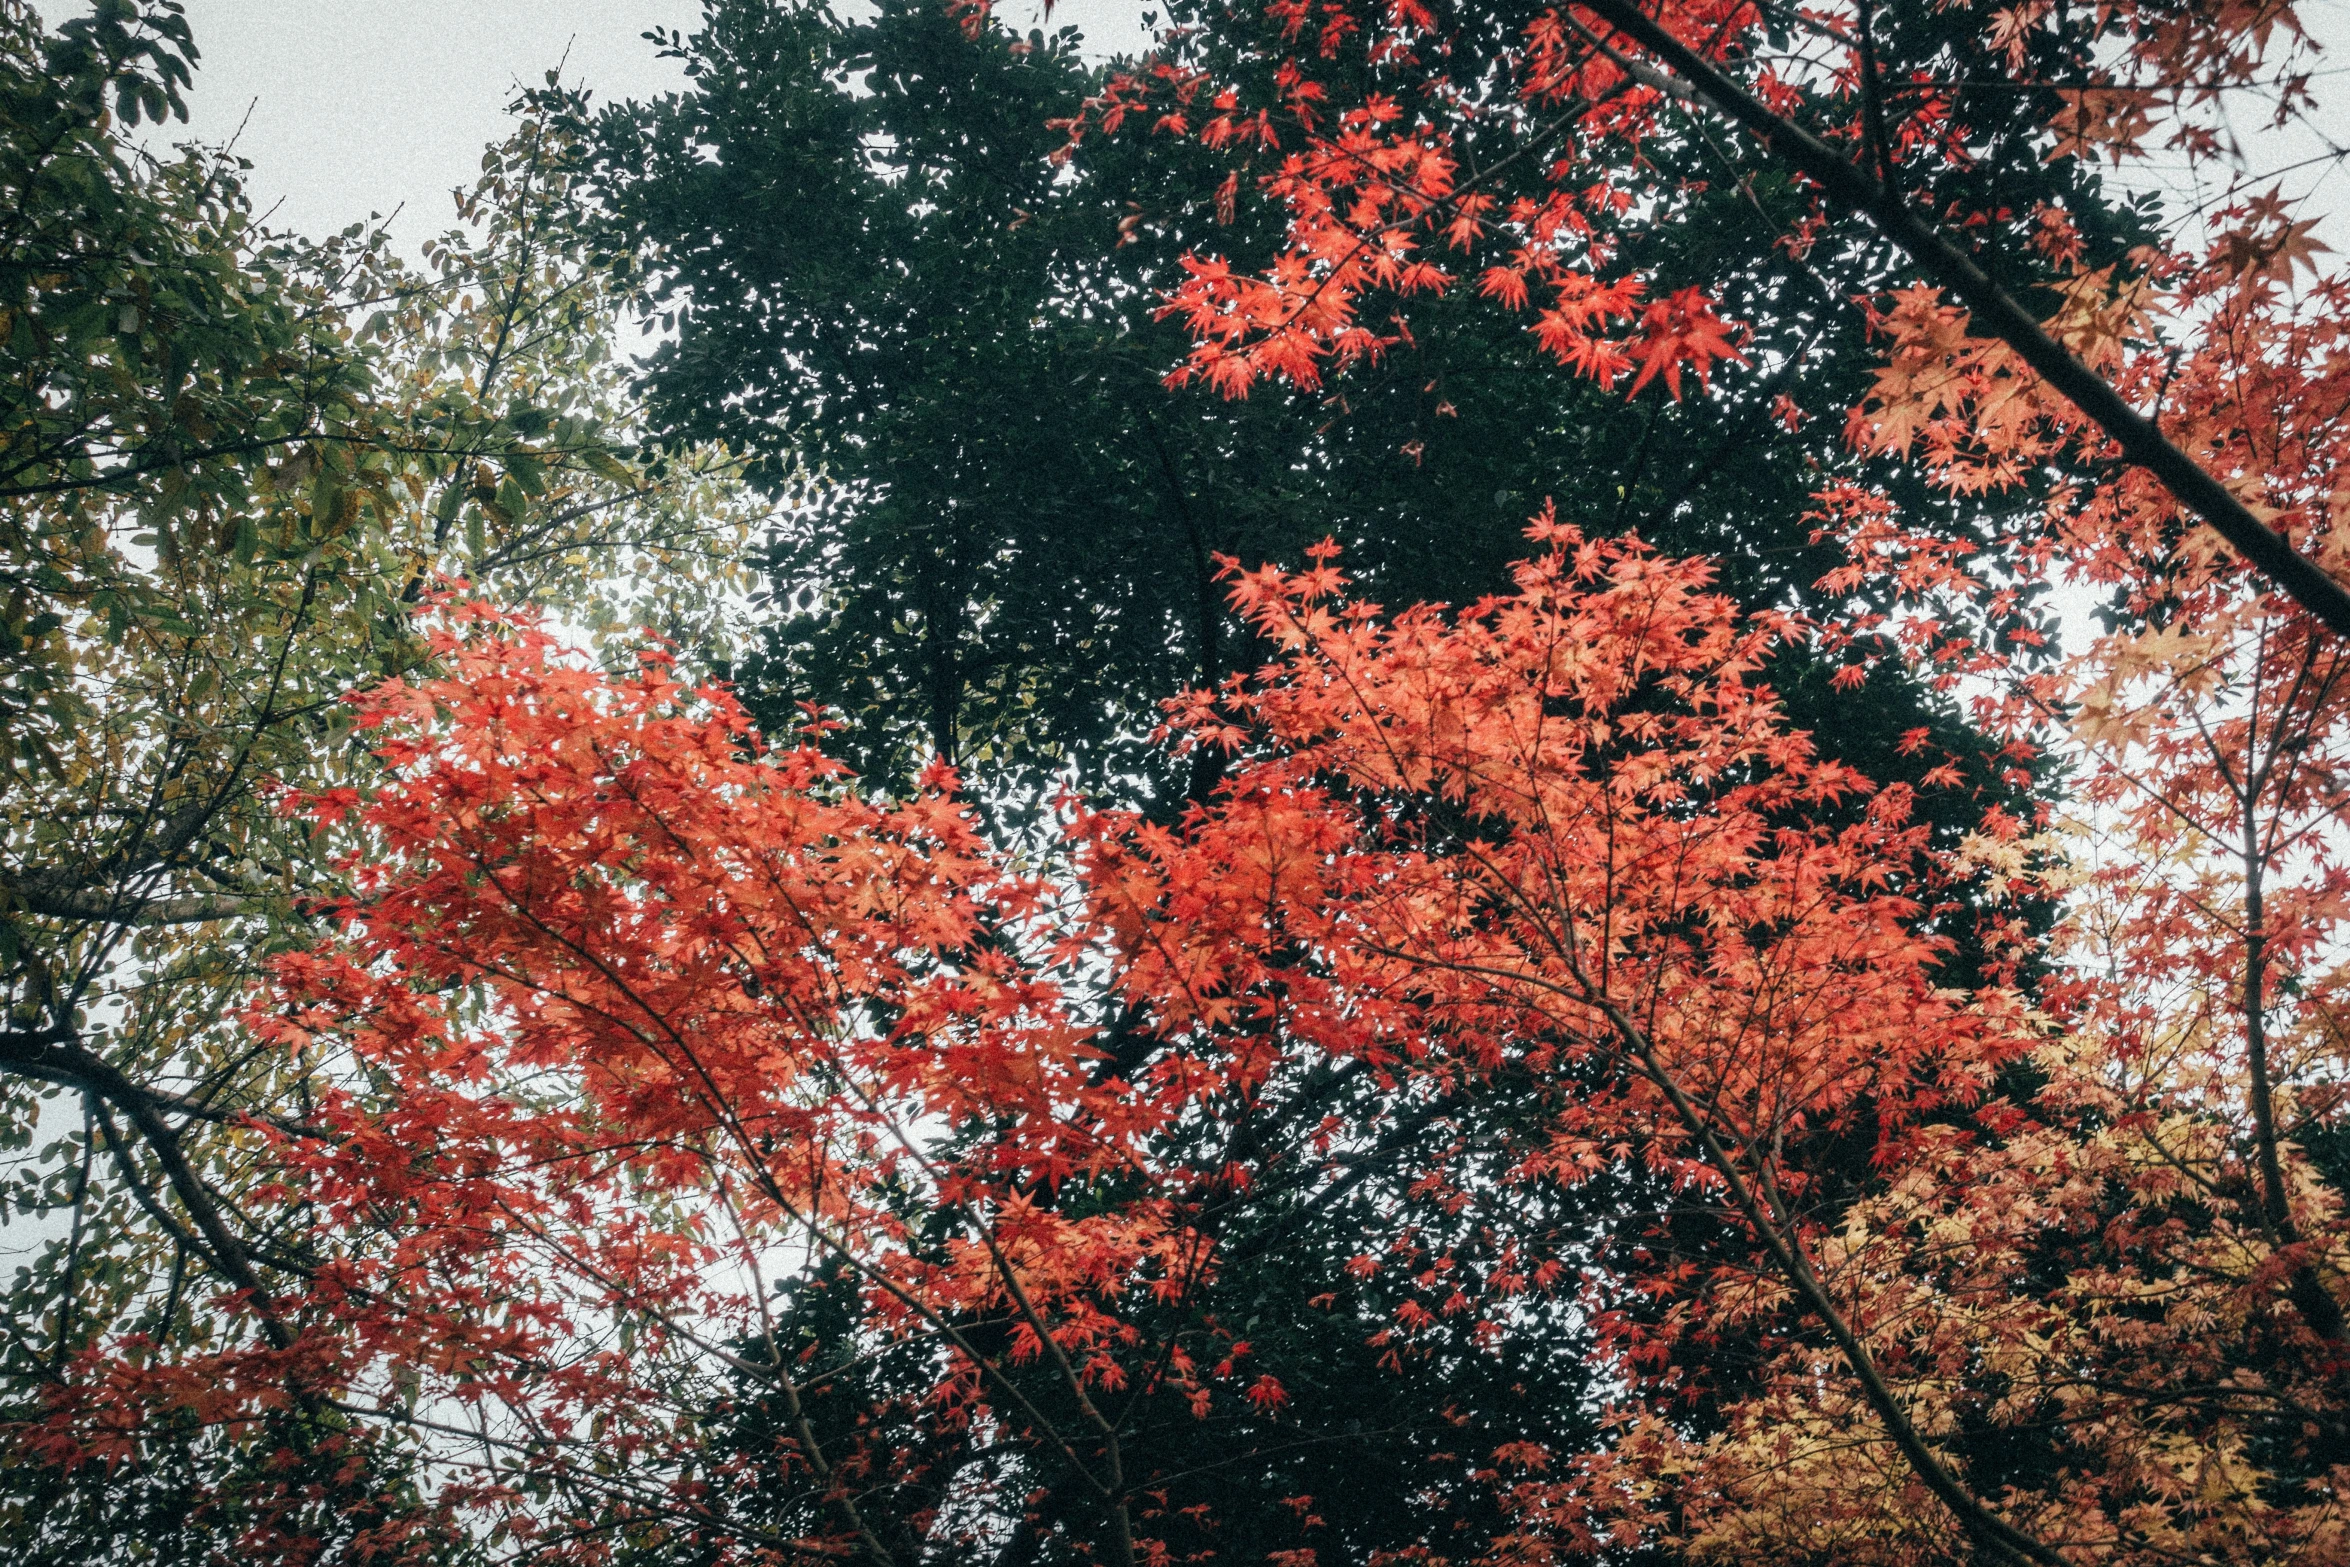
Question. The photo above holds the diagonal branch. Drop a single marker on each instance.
(1695, 79)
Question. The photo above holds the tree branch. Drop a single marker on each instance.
(1696, 79)
(53, 1055)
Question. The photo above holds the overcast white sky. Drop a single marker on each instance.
(350, 107)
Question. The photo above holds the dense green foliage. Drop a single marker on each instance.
(943, 343)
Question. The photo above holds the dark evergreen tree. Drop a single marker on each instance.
(938, 338)
(936, 335)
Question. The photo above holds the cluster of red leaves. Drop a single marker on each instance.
(729, 972)
(627, 1014)
(1376, 195)
(2247, 364)
(1620, 837)
(1358, 138)
(627, 1009)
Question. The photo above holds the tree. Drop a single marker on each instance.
(1533, 941)
(1374, 123)
(946, 347)
(636, 1015)
(2082, 1410)
(2179, 1171)
(234, 462)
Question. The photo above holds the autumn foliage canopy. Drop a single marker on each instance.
(1926, 1195)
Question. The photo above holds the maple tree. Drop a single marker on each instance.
(653, 1095)
(1983, 391)
(701, 1155)
(234, 461)
(1370, 134)
(626, 1012)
